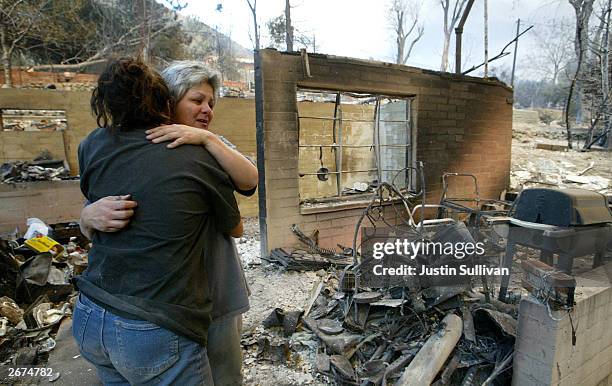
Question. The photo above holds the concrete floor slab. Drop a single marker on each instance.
(66, 360)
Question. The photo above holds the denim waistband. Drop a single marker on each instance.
(87, 302)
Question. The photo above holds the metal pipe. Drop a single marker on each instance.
(355, 146)
(352, 171)
(354, 120)
(261, 165)
(337, 148)
(518, 27)
(377, 137)
(458, 33)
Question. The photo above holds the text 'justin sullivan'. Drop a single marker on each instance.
(444, 270)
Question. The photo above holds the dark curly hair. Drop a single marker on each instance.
(130, 95)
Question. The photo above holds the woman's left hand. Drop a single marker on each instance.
(179, 134)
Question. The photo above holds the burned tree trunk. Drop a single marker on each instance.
(288, 26)
(570, 95)
(6, 58)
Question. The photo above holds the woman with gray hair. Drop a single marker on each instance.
(195, 89)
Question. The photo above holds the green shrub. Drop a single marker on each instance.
(546, 117)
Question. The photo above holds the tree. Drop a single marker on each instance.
(288, 26)
(595, 76)
(277, 31)
(95, 30)
(403, 17)
(253, 7)
(583, 10)
(70, 32)
(120, 34)
(450, 20)
(18, 20)
(553, 50)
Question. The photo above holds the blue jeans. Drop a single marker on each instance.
(136, 352)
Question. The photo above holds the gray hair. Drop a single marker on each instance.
(182, 75)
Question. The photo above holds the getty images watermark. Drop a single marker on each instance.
(450, 257)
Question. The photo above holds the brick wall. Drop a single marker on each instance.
(234, 118)
(544, 354)
(21, 77)
(20, 145)
(463, 124)
(51, 201)
(26, 145)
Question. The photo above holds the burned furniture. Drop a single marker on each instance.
(569, 223)
(399, 214)
(548, 283)
(473, 206)
(379, 329)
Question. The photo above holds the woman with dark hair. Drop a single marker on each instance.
(143, 313)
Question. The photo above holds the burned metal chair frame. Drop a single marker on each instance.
(396, 196)
(458, 204)
(387, 194)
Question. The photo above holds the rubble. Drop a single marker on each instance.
(10, 310)
(248, 245)
(431, 357)
(301, 260)
(370, 333)
(374, 335)
(538, 167)
(23, 171)
(392, 335)
(33, 120)
(36, 293)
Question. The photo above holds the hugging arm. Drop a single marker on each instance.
(237, 231)
(242, 171)
(108, 214)
(113, 213)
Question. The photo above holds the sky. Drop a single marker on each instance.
(359, 28)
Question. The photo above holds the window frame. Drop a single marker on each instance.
(341, 201)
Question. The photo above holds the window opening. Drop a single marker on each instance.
(350, 142)
(33, 120)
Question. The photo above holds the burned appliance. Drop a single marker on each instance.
(569, 223)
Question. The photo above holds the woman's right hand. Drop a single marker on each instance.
(108, 214)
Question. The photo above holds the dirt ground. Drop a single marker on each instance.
(556, 168)
(272, 288)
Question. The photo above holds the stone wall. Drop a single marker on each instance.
(544, 352)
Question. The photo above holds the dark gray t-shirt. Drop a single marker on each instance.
(152, 269)
(226, 281)
(227, 284)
